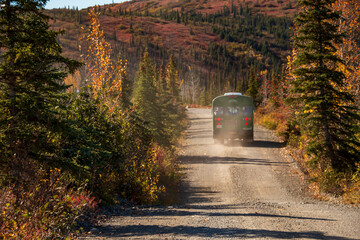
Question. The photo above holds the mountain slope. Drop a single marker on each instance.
(215, 42)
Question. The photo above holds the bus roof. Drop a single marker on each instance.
(224, 99)
(233, 93)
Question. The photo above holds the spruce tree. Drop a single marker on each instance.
(146, 95)
(324, 107)
(32, 86)
(168, 111)
(162, 79)
(126, 86)
(173, 81)
(253, 89)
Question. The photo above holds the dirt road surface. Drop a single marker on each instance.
(235, 191)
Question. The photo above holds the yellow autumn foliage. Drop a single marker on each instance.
(105, 77)
(349, 50)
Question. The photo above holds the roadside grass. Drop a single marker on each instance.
(324, 184)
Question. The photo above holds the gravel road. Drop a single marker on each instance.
(235, 191)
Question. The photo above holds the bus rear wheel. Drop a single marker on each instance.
(250, 137)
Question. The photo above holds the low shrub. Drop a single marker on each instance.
(46, 209)
(352, 189)
(269, 122)
(169, 176)
(274, 118)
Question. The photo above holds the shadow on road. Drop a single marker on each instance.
(256, 144)
(201, 213)
(235, 143)
(209, 119)
(196, 194)
(207, 232)
(191, 211)
(227, 160)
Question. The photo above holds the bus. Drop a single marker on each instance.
(233, 117)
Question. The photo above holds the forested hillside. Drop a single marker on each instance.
(215, 43)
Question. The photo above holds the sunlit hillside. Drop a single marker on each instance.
(215, 42)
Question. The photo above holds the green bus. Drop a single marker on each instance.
(233, 117)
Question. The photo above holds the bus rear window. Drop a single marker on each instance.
(248, 110)
(233, 110)
(218, 111)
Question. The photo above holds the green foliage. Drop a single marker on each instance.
(114, 151)
(325, 109)
(145, 96)
(254, 85)
(32, 72)
(56, 150)
(126, 86)
(257, 32)
(173, 82)
(157, 100)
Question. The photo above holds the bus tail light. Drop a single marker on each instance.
(218, 122)
(246, 120)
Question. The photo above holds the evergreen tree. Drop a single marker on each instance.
(203, 98)
(145, 95)
(162, 79)
(173, 81)
(126, 86)
(325, 109)
(253, 90)
(156, 79)
(169, 112)
(32, 73)
(214, 91)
